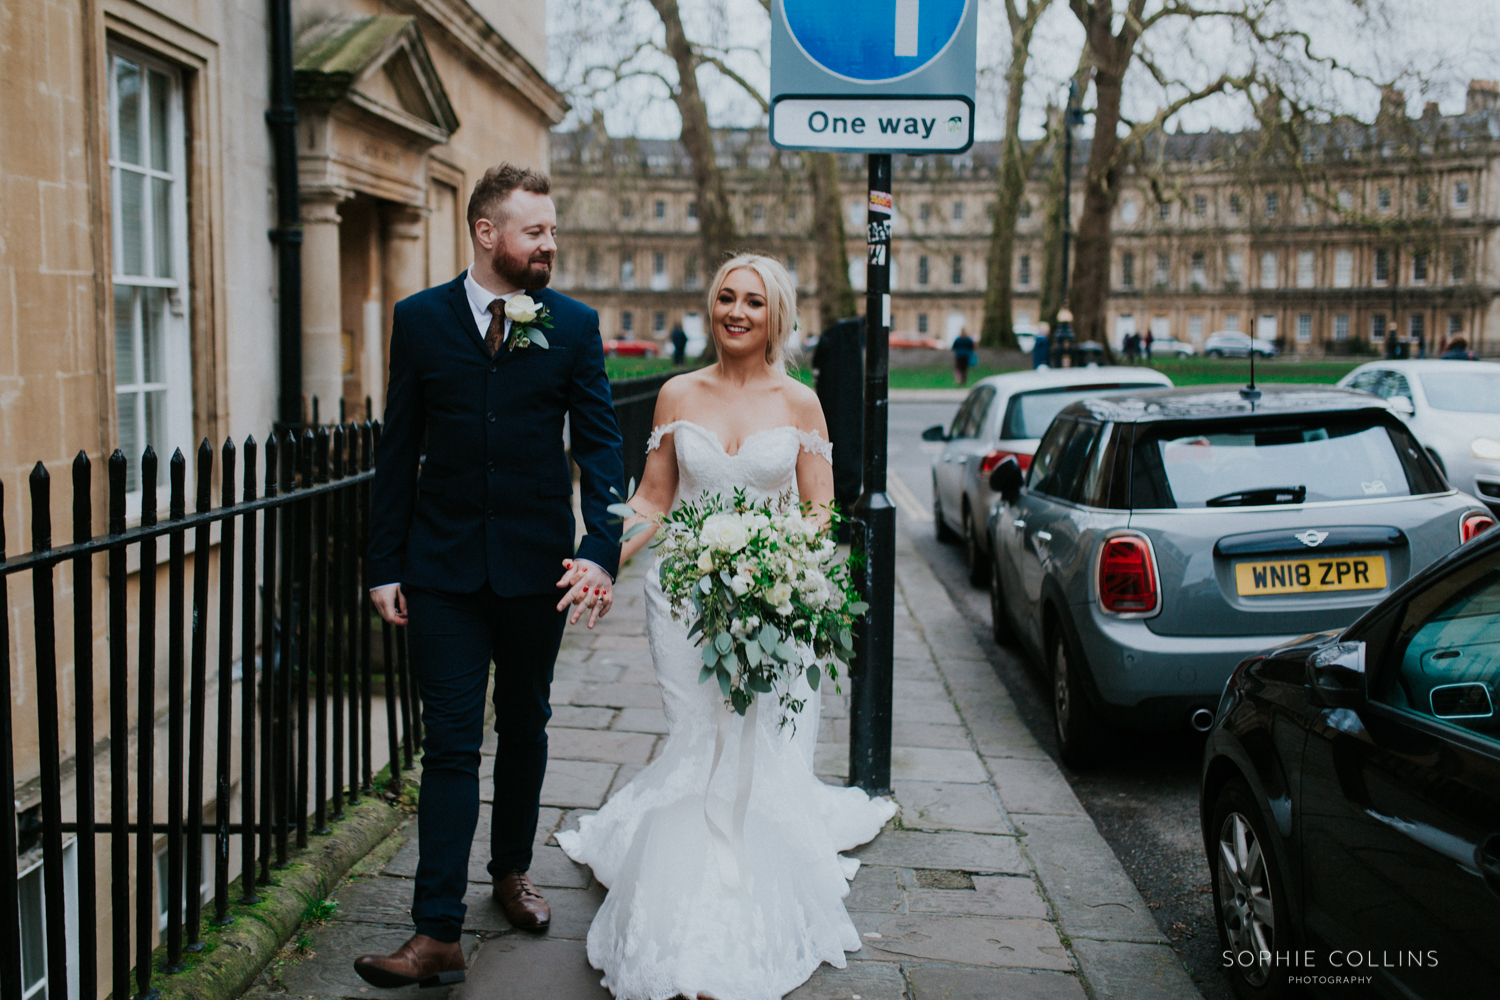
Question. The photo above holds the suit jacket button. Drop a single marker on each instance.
(490, 467)
(490, 515)
(494, 369)
(490, 417)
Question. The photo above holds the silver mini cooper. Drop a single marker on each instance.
(1160, 537)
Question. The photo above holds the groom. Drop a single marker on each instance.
(471, 522)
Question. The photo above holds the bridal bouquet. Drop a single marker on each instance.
(763, 593)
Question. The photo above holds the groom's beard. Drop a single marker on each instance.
(529, 273)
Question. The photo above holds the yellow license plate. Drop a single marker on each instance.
(1308, 576)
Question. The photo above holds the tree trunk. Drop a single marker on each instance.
(1052, 223)
(1089, 288)
(835, 296)
(997, 329)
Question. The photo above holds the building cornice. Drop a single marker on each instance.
(479, 39)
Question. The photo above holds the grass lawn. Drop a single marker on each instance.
(1185, 371)
(1208, 371)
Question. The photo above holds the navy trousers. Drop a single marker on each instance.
(453, 638)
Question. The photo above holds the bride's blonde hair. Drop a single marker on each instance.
(781, 302)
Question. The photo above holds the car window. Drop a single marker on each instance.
(1093, 489)
(1074, 461)
(979, 411)
(1394, 384)
(1329, 456)
(1448, 651)
(961, 418)
(1463, 392)
(1367, 381)
(1040, 475)
(1028, 413)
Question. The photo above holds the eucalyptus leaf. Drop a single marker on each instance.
(787, 653)
(629, 489)
(723, 681)
(710, 654)
(538, 339)
(858, 608)
(814, 677)
(706, 584)
(759, 683)
(724, 641)
(621, 510)
(768, 638)
(697, 627)
(724, 577)
(846, 639)
(753, 654)
(705, 674)
(634, 530)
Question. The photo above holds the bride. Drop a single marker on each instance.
(722, 856)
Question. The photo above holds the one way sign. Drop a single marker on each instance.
(883, 76)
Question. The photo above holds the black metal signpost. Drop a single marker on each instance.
(874, 650)
(860, 81)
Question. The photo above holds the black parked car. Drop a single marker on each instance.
(1351, 797)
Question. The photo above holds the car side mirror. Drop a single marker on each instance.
(1006, 479)
(1337, 674)
(935, 433)
(1402, 404)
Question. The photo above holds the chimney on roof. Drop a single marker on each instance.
(1392, 102)
(1484, 95)
(1430, 111)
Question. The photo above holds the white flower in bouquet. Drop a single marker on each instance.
(705, 560)
(521, 308)
(725, 532)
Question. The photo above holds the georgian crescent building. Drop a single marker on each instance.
(1369, 234)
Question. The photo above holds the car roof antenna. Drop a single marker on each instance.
(1250, 392)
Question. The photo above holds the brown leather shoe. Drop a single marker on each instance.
(524, 907)
(422, 960)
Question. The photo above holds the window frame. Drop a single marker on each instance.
(176, 383)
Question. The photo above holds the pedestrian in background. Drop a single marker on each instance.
(1150, 338)
(679, 345)
(1458, 350)
(1041, 349)
(964, 357)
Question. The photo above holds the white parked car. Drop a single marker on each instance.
(1229, 344)
(1004, 416)
(1164, 347)
(1453, 408)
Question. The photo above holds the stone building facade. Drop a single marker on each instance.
(1374, 233)
(138, 288)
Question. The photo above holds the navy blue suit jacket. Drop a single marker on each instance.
(493, 500)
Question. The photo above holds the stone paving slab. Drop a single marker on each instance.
(950, 805)
(944, 982)
(982, 941)
(513, 968)
(992, 896)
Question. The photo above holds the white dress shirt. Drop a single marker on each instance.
(479, 301)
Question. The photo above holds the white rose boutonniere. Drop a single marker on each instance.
(527, 318)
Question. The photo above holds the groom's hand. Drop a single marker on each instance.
(390, 603)
(588, 587)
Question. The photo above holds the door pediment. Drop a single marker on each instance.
(379, 66)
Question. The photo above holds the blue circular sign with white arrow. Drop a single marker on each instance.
(874, 41)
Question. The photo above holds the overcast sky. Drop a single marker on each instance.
(1432, 48)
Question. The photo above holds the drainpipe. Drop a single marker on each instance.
(287, 236)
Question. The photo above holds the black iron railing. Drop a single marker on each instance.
(635, 407)
(304, 728)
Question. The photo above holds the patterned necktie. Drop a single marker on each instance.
(497, 327)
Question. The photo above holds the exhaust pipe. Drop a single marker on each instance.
(1201, 719)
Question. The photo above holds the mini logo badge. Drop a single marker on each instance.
(1311, 537)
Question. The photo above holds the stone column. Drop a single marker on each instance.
(322, 319)
(403, 233)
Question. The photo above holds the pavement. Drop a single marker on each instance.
(991, 883)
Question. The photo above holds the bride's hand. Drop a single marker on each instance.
(589, 587)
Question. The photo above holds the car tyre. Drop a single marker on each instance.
(1000, 626)
(1216, 353)
(979, 563)
(1250, 904)
(945, 534)
(1081, 731)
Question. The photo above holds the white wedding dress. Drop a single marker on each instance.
(724, 881)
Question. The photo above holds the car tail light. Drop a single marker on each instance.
(1127, 576)
(1473, 523)
(997, 456)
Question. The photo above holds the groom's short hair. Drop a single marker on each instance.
(497, 184)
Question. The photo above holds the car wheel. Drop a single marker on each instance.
(1250, 905)
(1080, 730)
(979, 563)
(1216, 353)
(945, 534)
(1000, 626)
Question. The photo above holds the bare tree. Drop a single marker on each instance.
(997, 328)
(835, 295)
